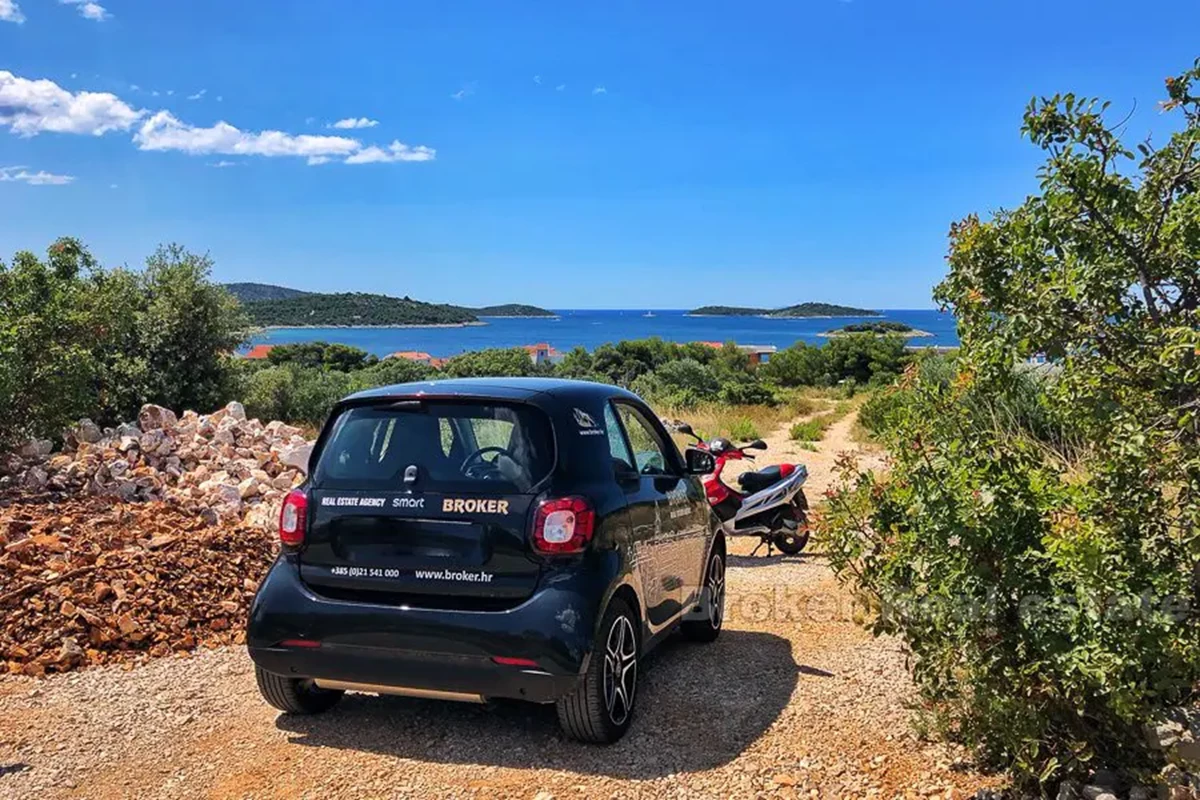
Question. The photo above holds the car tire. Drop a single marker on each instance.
(295, 695)
(600, 708)
(707, 627)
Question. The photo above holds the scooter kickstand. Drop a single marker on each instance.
(755, 550)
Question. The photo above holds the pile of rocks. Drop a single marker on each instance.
(95, 580)
(222, 466)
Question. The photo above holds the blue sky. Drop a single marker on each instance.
(617, 154)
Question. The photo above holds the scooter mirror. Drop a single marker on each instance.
(685, 429)
(699, 462)
(757, 444)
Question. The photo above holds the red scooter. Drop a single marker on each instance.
(771, 503)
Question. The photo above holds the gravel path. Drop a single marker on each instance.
(794, 700)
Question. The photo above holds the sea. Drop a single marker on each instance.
(591, 328)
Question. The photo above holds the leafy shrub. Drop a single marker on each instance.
(811, 430)
(743, 428)
(1035, 545)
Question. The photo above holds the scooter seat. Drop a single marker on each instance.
(757, 481)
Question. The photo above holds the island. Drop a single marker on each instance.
(515, 310)
(801, 310)
(353, 310)
(823, 310)
(882, 328)
(727, 311)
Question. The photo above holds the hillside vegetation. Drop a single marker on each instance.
(354, 308)
(253, 292)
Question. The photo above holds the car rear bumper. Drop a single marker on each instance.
(296, 632)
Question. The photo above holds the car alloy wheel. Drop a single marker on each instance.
(620, 670)
(714, 586)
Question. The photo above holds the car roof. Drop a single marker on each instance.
(534, 390)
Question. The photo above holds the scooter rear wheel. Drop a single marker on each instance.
(790, 542)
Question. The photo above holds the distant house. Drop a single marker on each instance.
(415, 356)
(542, 353)
(758, 353)
(259, 351)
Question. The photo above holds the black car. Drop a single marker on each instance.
(488, 538)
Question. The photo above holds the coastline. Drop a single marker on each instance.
(518, 316)
(475, 324)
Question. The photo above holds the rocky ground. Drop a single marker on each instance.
(794, 700)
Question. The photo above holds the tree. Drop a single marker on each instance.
(1042, 590)
(341, 357)
(188, 329)
(798, 365)
(46, 341)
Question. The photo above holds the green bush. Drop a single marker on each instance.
(78, 340)
(1035, 545)
(743, 429)
(811, 430)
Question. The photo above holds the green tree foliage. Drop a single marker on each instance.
(1044, 590)
(321, 354)
(863, 358)
(76, 339)
(498, 362)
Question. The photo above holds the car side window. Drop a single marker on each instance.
(617, 447)
(648, 453)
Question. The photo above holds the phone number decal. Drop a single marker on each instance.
(364, 572)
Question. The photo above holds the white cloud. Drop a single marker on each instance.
(133, 87)
(396, 151)
(39, 178)
(88, 9)
(164, 132)
(351, 123)
(170, 92)
(599, 90)
(112, 186)
(154, 93)
(198, 95)
(32, 107)
(314, 161)
(219, 98)
(467, 90)
(222, 164)
(560, 87)
(537, 79)
(11, 12)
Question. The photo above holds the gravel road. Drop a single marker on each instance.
(793, 700)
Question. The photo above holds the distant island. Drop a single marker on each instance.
(514, 310)
(883, 328)
(271, 306)
(800, 310)
(354, 309)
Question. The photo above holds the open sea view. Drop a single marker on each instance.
(591, 328)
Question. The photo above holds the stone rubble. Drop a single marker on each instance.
(221, 466)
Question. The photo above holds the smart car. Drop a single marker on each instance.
(489, 538)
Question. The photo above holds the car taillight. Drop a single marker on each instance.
(292, 518)
(563, 525)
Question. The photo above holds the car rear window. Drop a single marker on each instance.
(465, 446)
